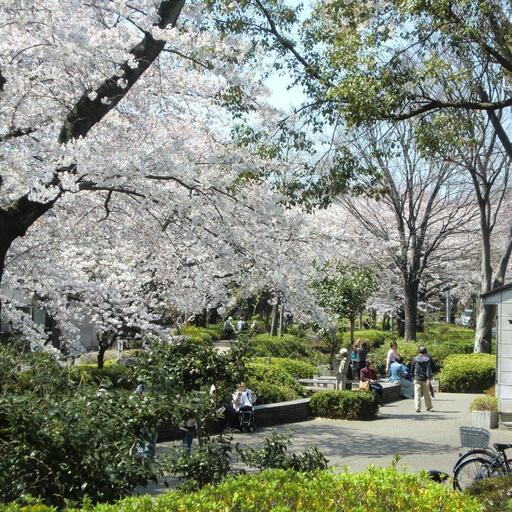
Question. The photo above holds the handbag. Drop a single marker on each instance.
(364, 385)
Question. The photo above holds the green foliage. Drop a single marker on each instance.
(180, 367)
(493, 493)
(261, 372)
(274, 455)
(67, 433)
(439, 349)
(112, 374)
(345, 290)
(277, 490)
(296, 368)
(373, 337)
(268, 393)
(208, 464)
(484, 403)
(274, 346)
(471, 373)
(349, 405)
(202, 334)
(72, 445)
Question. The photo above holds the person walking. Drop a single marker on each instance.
(421, 371)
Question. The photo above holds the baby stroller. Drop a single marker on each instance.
(246, 421)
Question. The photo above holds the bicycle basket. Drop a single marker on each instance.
(474, 437)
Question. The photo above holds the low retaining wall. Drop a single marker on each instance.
(282, 412)
(279, 413)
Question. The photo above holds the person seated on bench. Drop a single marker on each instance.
(398, 372)
(368, 379)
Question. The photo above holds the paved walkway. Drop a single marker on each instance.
(429, 440)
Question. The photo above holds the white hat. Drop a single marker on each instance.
(343, 352)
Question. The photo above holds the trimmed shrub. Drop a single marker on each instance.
(284, 346)
(373, 337)
(295, 367)
(201, 334)
(471, 373)
(261, 372)
(277, 490)
(268, 393)
(493, 493)
(347, 405)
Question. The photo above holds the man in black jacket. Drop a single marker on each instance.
(421, 370)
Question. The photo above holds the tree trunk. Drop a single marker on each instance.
(352, 327)
(483, 331)
(281, 318)
(4, 247)
(400, 322)
(273, 328)
(410, 310)
(483, 326)
(333, 346)
(101, 355)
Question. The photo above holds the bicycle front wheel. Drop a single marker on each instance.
(470, 471)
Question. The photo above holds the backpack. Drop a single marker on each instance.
(350, 373)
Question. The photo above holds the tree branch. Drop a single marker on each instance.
(87, 112)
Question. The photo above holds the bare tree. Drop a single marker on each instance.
(424, 212)
(488, 166)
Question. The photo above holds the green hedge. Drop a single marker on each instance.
(493, 493)
(373, 337)
(203, 334)
(471, 373)
(260, 372)
(277, 490)
(349, 405)
(296, 368)
(268, 393)
(274, 346)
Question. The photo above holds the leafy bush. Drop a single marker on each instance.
(471, 373)
(208, 464)
(111, 374)
(349, 405)
(268, 393)
(484, 403)
(201, 334)
(274, 455)
(274, 346)
(63, 438)
(373, 337)
(295, 367)
(493, 493)
(277, 490)
(261, 372)
(69, 446)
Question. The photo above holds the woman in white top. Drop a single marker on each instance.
(393, 355)
(243, 398)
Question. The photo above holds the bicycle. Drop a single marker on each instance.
(481, 463)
